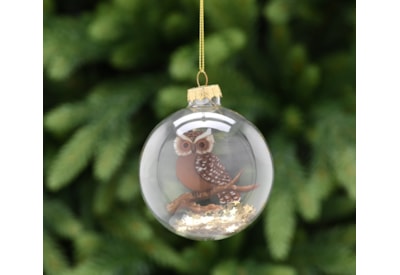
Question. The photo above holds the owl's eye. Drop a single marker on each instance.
(202, 145)
(185, 145)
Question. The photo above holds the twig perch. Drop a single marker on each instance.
(188, 200)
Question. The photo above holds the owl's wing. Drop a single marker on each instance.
(210, 169)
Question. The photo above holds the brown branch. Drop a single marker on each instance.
(187, 200)
(245, 188)
(183, 199)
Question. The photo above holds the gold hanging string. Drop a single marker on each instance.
(202, 71)
(203, 90)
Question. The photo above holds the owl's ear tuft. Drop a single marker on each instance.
(211, 142)
(203, 135)
(184, 138)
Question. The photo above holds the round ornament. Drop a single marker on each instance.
(205, 171)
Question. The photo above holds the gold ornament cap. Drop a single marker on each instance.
(203, 92)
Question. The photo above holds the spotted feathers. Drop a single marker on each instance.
(210, 169)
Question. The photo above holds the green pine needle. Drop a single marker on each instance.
(111, 151)
(54, 260)
(345, 168)
(73, 157)
(59, 218)
(280, 223)
(65, 118)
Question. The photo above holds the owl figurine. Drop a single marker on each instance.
(198, 169)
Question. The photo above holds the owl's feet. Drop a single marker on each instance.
(203, 195)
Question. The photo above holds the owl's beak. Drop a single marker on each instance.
(193, 148)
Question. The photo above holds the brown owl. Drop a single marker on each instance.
(198, 168)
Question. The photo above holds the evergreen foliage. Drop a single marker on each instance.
(114, 68)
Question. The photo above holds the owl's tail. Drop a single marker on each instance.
(228, 196)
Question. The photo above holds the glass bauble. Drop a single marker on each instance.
(205, 171)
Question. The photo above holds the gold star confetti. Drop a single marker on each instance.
(214, 224)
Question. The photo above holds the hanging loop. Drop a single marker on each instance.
(204, 74)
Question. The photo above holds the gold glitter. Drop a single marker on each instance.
(213, 224)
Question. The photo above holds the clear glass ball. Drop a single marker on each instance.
(206, 172)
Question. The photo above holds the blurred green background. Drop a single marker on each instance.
(114, 68)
